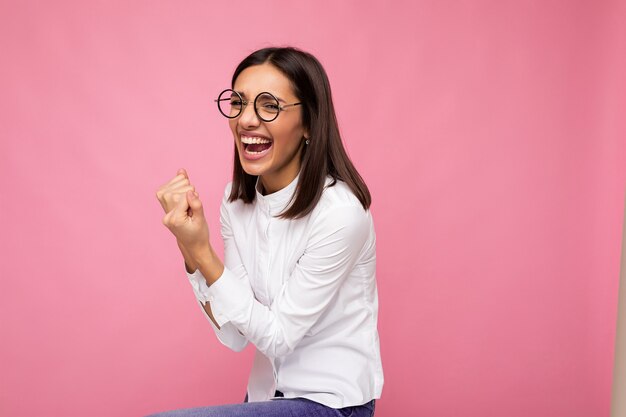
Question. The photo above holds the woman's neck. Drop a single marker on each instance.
(271, 183)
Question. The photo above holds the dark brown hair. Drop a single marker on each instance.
(325, 155)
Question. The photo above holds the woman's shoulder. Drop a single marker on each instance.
(228, 188)
(226, 195)
(338, 202)
(340, 214)
(337, 193)
(231, 205)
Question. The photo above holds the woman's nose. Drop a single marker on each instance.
(248, 116)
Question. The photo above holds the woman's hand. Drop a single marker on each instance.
(184, 214)
(169, 194)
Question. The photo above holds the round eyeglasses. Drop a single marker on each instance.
(266, 105)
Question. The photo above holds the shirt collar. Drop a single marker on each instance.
(277, 201)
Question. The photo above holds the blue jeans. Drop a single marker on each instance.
(288, 407)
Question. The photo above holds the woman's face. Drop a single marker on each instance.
(270, 150)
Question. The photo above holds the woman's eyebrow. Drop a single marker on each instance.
(279, 99)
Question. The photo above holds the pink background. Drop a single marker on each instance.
(491, 134)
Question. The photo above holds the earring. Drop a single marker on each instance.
(307, 141)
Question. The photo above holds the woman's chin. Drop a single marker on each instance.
(255, 169)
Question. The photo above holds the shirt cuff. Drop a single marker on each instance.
(198, 284)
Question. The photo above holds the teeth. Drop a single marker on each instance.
(248, 141)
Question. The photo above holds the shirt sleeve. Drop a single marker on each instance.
(227, 334)
(337, 238)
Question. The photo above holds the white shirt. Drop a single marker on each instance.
(304, 293)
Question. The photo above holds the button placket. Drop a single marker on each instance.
(268, 260)
(262, 254)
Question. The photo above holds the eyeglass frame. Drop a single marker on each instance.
(246, 102)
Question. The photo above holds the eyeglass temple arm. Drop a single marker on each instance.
(290, 105)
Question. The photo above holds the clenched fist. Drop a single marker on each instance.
(184, 214)
(169, 194)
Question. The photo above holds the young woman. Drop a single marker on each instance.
(298, 278)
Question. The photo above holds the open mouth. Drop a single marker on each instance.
(255, 146)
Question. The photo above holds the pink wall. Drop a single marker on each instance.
(491, 133)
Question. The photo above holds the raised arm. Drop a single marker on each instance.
(174, 194)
